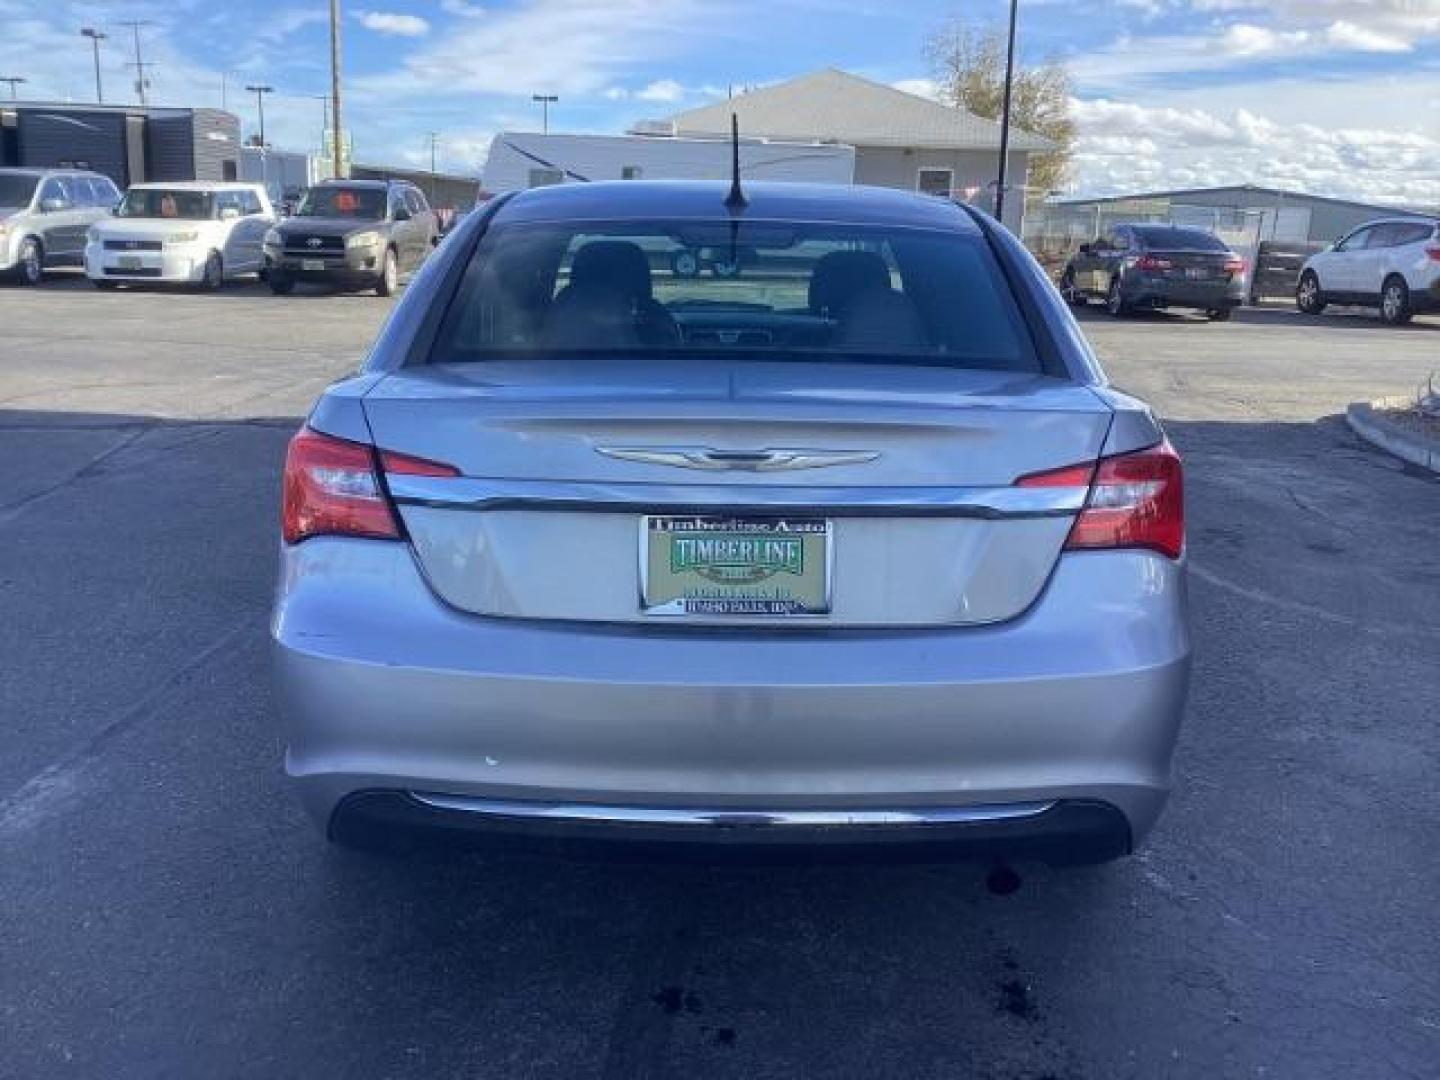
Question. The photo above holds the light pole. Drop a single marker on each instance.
(14, 81)
(260, 90)
(95, 37)
(1005, 116)
(545, 101)
(324, 100)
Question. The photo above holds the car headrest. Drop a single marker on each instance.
(614, 266)
(841, 276)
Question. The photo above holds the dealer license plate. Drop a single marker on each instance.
(748, 566)
(312, 264)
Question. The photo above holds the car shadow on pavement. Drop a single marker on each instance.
(179, 916)
(1346, 318)
(251, 288)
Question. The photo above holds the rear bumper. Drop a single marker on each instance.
(1142, 291)
(385, 689)
(1066, 832)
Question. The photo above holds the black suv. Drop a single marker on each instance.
(358, 234)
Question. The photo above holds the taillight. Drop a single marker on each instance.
(1135, 500)
(1433, 253)
(331, 488)
(1235, 266)
(1151, 262)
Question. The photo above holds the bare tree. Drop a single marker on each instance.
(968, 61)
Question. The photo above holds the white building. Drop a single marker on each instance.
(900, 140)
(520, 160)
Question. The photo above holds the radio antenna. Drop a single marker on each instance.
(736, 199)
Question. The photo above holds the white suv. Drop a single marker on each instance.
(1393, 265)
(192, 232)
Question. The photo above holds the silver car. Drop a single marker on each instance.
(852, 549)
(44, 216)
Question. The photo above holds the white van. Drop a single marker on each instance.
(194, 233)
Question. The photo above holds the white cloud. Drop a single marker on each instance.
(462, 8)
(1127, 147)
(926, 88)
(664, 90)
(384, 22)
(574, 48)
(1348, 35)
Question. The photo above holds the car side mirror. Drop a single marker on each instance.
(53, 206)
(402, 214)
(1087, 249)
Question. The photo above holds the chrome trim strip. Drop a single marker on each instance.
(729, 818)
(711, 460)
(469, 493)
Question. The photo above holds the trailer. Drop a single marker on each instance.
(525, 160)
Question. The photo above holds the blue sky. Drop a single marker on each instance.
(1338, 96)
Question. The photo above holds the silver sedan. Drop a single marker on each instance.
(851, 549)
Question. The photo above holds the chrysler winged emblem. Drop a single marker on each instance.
(704, 458)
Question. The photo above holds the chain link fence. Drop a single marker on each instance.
(1054, 232)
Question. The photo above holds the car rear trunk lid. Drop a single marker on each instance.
(565, 464)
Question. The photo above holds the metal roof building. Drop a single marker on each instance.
(128, 143)
(1265, 213)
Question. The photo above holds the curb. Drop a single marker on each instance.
(1406, 445)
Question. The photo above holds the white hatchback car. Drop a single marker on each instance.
(1393, 265)
(194, 233)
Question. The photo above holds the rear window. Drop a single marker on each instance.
(1169, 238)
(766, 290)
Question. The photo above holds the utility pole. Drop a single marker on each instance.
(545, 101)
(14, 81)
(338, 128)
(141, 82)
(95, 36)
(1005, 116)
(260, 90)
(434, 135)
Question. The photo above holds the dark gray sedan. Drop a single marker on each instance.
(1137, 267)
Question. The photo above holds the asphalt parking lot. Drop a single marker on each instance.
(165, 910)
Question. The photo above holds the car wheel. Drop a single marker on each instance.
(214, 275)
(1395, 301)
(1220, 314)
(281, 284)
(1071, 291)
(1308, 297)
(30, 267)
(685, 264)
(389, 275)
(1115, 300)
